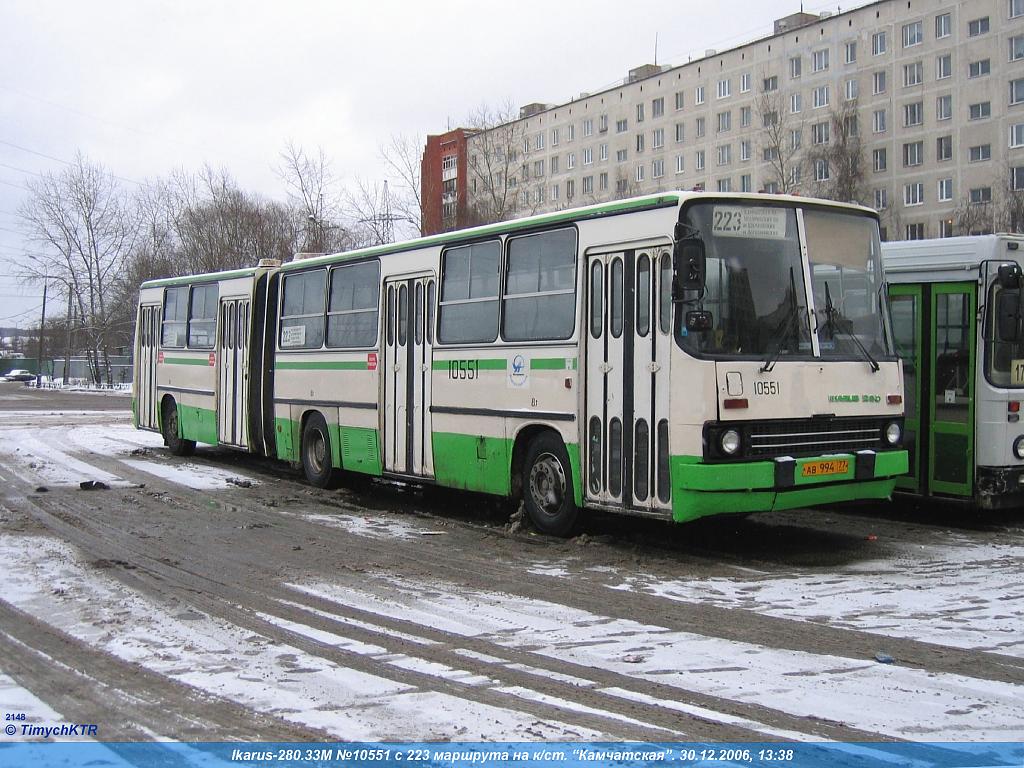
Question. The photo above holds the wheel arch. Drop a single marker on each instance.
(333, 433)
(521, 443)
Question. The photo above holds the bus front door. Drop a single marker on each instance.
(408, 344)
(626, 457)
(149, 350)
(933, 326)
(233, 372)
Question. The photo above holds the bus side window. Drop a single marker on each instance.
(352, 309)
(431, 291)
(468, 310)
(202, 317)
(175, 313)
(302, 316)
(539, 302)
(665, 276)
(643, 295)
(596, 299)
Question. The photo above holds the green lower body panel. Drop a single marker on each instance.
(358, 449)
(577, 477)
(699, 489)
(199, 424)
(286, 439)
(472, 462)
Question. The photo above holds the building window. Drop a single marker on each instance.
(570, 189)
(602, 182)
(588, 156)
(588, 185)
(980, 111)
(745, 149)
(980, 153)
(680, 164)
(659, 138)
(639, 142)
(796, 138)
(1016, 8)
(604, 152)
(977, 27)
(852, 89)
(539, 141)
(820, 133)
(725, 154)
(1017, 91)
(770, 84)
(571, 132)
(554, 193)
(944, 66)
(915, 231)
(698, 94)
(639, 113)
(819, 60)
(570, 161)
(851, 52)
(725, 185)
(745, 113)
(912, 34)
(701, 126)
(946, 228)
(913, 74)
(621, 155)
(943, 26)
(881, 199)
(724, 88)
(878, 121)
(770, 154)
(980, 195)
(878, 82)
(680, 132)
(538, 168)
(554, 137)
(821, 96)
(979, 68)
(944, 148)
(878, 43)
(771, 188)
(945, 190)
(658, 107)
(468, 310)
(913, 153)
(1017, 135)
(679, 99)
(769, 119)
(658, 169)
(913, 194)
(913, 114)
(621, 126)
(554, 165)
(724, 120)
(795, 175)
(745, 183)
(1017, 178)
(821, 170)
(602, 125)
(700, 160)
(588, 127)
(796, 65)
(745, 82)
(1017, 47)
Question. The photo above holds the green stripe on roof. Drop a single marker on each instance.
(187, 279)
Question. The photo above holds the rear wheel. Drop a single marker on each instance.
(547, 486)
(316, 452)
(178, 445)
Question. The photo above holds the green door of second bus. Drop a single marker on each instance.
(934, 329)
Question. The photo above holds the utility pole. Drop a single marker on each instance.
(42, 330)
(67, 349)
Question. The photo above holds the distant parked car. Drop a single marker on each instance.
(20, 374)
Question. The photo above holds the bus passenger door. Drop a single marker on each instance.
(906, 308)
(149, 343)
(951, 389)
(408, 342)
(233, 372)
(627, 399)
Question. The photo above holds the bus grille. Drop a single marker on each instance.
(807, 437)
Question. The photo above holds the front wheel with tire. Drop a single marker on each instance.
(547, 486)
(177, 444)
(316, 452)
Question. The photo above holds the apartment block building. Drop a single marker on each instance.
(913, 106)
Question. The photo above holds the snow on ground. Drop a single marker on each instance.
(40, 452)
(962, 594)
(46, 579)
(372, 528)
(17, 700)
(199, 477)
(885, 699)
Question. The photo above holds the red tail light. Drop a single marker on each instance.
(735, 402)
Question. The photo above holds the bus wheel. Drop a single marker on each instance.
(316, 452)
(178, 445)
(547, 486)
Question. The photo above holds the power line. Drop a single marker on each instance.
(59, 160)
(36, 308)
(16, 186)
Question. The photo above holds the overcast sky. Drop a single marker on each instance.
(146, 86)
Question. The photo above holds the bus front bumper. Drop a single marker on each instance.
(1000, 487)
(700, 489)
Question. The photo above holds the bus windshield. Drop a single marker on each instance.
(756, 293)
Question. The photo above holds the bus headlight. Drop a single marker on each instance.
(893, 433)
(1018, 447)
(730, 442)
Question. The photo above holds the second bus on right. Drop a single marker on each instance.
(956, 312)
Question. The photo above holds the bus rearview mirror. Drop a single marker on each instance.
(689, 269)
(1008, 314)
(1009, 276)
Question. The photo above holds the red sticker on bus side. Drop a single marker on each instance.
(213, 358)
(160, 357)
(371, 361)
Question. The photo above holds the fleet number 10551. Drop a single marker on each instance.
(767, 388)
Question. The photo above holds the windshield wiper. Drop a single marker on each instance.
(783, 329)
(831, 315)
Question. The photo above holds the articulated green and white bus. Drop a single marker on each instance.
(673, 356)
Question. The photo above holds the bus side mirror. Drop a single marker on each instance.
(1008, 314)
(689, 265)
(1009, 276)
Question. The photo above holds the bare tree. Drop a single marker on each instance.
(371, 218)
(841, 158)
(310, 185)
(1010, 204)
(402, 157)
(974, 218)
(499, 170)
(778, 147)
(85, 225)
